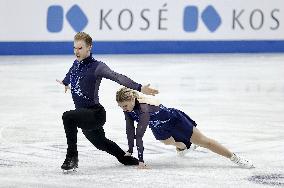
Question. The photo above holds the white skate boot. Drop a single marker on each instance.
(193, 147)
(241, 162)
(182, 152)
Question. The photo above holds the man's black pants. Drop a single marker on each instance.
(91, 121)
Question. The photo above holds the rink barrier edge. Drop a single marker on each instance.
(145, 47)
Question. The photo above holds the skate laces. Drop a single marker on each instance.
(241, 161)
(194, 146)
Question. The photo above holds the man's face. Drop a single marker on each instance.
(81, 50)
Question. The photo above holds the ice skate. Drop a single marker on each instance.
(241, 162)
(181, 152)
(193, 147)
(70, 164)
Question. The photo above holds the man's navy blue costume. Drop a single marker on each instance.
(89, 115)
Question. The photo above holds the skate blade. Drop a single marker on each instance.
(252, 166)
(71, 171)
(182, 153)
(246, 166)
(193, 147)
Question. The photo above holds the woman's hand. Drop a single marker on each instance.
(142, 166)
(127, 154)
(66, 87)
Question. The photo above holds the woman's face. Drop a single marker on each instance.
(127, 106)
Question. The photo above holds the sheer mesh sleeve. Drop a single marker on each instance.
(130, 132)
(104, 71)
(66, 80)
(144, 118)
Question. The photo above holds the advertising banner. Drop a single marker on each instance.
(142, 26)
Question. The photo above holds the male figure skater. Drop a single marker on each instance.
(85, 76)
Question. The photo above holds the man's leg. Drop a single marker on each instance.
(84, 118)
(98, 139)
(71, 160)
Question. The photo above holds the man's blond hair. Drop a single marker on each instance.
(85, 37)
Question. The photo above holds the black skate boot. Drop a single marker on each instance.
(128, 160)
(70, 163)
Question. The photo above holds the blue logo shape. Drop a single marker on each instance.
(54, 19)
(190, 18)
(77, 19)
(211, 18)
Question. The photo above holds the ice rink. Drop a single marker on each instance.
(235, 99)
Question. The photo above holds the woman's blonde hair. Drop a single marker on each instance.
(126, 94)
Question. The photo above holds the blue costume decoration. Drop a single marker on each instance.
(164, 123)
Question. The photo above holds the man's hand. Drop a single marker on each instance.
(149, 91)
(66, 87)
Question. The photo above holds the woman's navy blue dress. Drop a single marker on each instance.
(164, 123)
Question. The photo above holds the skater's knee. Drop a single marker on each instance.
(97, 133)
(88, 133)
(66, 116)
(165, 142)
(168, 141)
(97, 138)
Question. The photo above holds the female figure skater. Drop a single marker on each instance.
(169, 125)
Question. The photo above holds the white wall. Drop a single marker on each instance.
(142, 20)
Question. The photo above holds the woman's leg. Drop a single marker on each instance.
(203, 141)
(199, 139)
(171, 141)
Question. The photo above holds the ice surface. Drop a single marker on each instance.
(236, 99)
